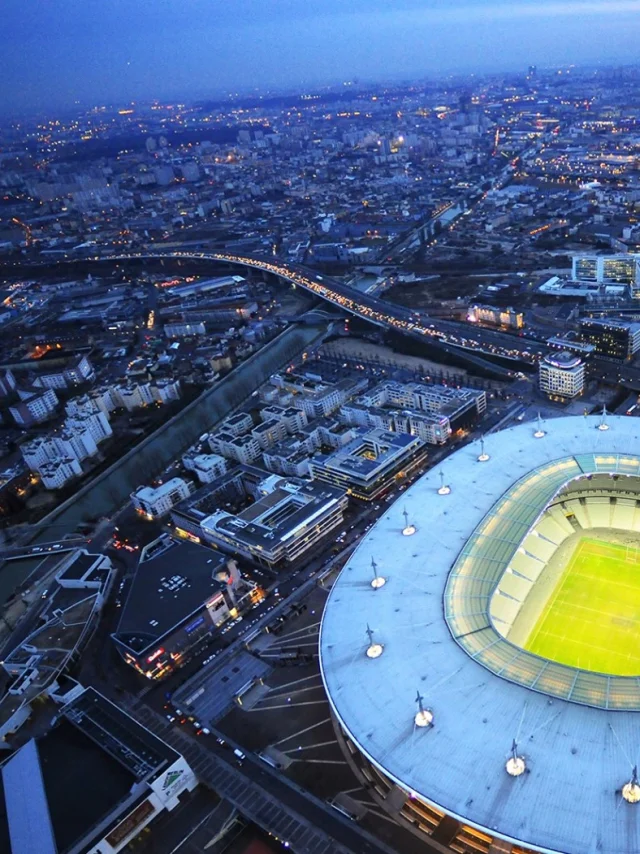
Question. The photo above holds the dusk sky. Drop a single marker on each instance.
(54, 52)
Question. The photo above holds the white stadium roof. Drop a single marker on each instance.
(577, 756)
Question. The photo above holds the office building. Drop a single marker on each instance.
(202, 286)
(369, 465)
(286, 520)
(506, 318)
(61, 626)
(180, 594)
(608, 269)
(155, 502)
(561, 376)
(616, 339)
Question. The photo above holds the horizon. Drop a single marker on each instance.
(88, 54)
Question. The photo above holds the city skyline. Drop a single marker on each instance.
(88, 54)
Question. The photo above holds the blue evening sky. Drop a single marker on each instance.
(56, 52)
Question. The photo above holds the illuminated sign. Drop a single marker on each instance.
(155, 655)
(171, 778)
(193, 626)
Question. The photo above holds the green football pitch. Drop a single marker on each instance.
(592, 619)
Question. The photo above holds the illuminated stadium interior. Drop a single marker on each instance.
(506, 574)
(505, 671)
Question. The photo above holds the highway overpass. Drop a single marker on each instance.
(478, 347)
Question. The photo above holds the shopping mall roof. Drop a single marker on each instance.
(172, 581)
(577, 756)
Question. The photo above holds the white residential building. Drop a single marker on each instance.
(237, 424)
(79, 370)
(165, 390)
(270, 432)
(105, 398)
(289, 458)
(155, 502)
(206, 467)
(37, 452)
(78, 440)
(34, 408)
(59, 471)
(315, 397)
(135, 396)
(243, 449)
(293, 419)
(96, 423)
(78, 444)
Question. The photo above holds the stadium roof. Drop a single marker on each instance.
(578, 757)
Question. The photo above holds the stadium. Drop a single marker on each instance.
(480, 648)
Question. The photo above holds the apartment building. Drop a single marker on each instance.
(156, 502)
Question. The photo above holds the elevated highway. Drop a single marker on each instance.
(478, 347)
(498, 354)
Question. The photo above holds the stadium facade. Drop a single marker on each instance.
(463, 733)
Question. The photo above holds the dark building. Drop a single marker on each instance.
(616, 339)
(90, 784)
(180, 594)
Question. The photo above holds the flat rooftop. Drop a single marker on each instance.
(278, 514)
(69, 759)
(368, 452)
(168, 586)
(136, 748)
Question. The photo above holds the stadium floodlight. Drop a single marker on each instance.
(483, 454)
(539, 431)
(374, 650)
(515, 765)
(408, 529)
(444, 489)
(603, 420)
(631, 790)
(378, 580)
(424, 717)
